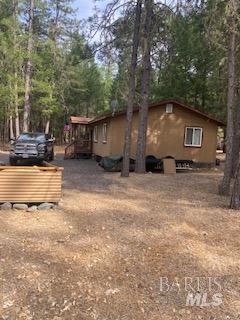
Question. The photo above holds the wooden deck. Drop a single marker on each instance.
(78, 148)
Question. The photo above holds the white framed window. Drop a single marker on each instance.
(104, 133)
(95, 134)
(193, 137)
(169, 108)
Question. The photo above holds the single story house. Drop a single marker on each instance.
(174, 129)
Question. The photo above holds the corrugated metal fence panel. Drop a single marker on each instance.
(28, 184)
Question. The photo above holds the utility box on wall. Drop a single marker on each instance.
(169, 166)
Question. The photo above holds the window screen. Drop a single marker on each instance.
(193, 137)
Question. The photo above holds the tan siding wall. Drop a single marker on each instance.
(167, 131)
(165, 135)
(100, 148)
(117, 135)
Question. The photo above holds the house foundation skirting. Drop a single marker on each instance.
(199, 165)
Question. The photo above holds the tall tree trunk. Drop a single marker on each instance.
(6, 128)
(236, 143)
(224, 187)
(11, 132)
(132, 87)
(17, 123)
(47, 126)
(146, 70)
(87, 109)
(235, 198)
(15, 17)
(28, 72)
(55, 31)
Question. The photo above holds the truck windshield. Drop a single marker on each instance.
(32, 136)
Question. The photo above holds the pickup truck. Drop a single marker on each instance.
(37, 147)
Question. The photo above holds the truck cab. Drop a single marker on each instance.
(34, 146)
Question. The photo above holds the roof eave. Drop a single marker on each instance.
(160, 103)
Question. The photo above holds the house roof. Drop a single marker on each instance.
(80, 120)
(158, 104)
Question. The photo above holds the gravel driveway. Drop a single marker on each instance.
(115, 245)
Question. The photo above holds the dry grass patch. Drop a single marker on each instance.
(102, 253)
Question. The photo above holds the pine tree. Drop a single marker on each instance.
(224, 188)
(145, 82)
(28, 70)
(132, 87)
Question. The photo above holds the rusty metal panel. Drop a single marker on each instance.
(30, 184)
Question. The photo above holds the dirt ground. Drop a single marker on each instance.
(123, 249)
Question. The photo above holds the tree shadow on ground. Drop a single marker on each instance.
(102, 253)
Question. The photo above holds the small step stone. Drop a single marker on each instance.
(32, 209)
(46, 206)
(20, 206)
(6, 206)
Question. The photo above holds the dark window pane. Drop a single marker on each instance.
(189, 136)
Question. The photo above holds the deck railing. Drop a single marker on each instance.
(69, 150)
(77, 148)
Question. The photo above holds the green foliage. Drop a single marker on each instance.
(88, 87)
(189, 54)
(65, 79)
(189, 59)
(190, 67)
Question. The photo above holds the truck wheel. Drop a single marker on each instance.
(13, 162)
